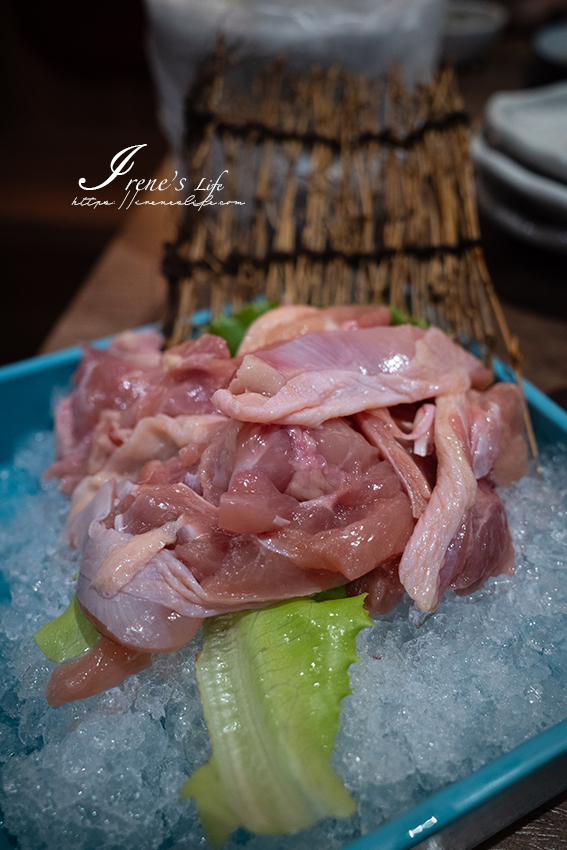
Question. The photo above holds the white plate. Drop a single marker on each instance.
(470, 26)
(541, 234)
(547, 197)
(550, 44)
(531, 125)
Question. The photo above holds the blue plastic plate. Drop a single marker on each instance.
(465, 813)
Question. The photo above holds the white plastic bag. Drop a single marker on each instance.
(366, 36)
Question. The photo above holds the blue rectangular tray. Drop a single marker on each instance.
(465, 813)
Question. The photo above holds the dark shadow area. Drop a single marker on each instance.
(514, 265)
(74, 91)
(43, 265)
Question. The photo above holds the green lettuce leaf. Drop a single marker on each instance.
(67, 635)
(398, 317)
(271, 683)
(233, 328)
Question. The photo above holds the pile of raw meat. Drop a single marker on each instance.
(333, 449)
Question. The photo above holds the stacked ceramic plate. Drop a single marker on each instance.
(521, 160)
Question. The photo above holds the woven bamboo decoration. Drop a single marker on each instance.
(351, 191)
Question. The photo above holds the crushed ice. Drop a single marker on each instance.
(434, 698)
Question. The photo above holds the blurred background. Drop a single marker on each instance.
(75, 89)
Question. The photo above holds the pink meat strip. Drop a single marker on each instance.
(417, 429)
(382, 588)
(462, 538)
(163, 601)
(104, 666)
(332, 374)
(482, 546)
(289, 322)
(137, 622)
(296, 511)
(498, 441)
(452, 497)
(158, 437)
(120, 386)
(135, 452)
(381, 431)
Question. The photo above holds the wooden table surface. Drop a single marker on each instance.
(126, 290)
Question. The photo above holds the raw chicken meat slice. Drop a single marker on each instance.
(138, 623)
(413, 424)
(254, 505)
(382, 588)
(111, 379)
(381, 431)
(135, 453)
(183, 513)
(163, 604)
(301, 511)
(370, 535)
(303, 463)
(498, 442)
(283, 324)
(124, 384)
(348, 529)
(104, 666)
(191, 373)
(482, 546)
(332, 374)
(462, 538)
(452, 497)
(222, 570)
(286, 323)
(259, 474)
(159, 438)
(354, 316)
(242, 448)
